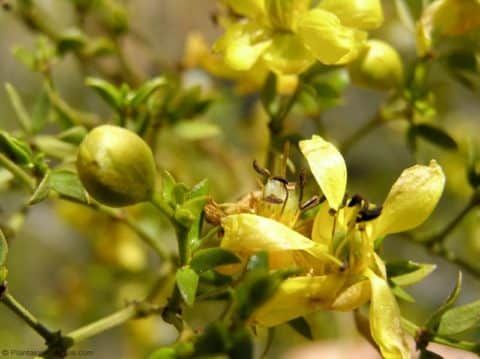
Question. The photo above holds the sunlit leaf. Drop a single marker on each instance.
(460, 319)
(187, 283)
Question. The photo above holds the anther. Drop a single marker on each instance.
(282, 180)
(312, 202)
(261, 170)
(368, 214)
(273, 199)
(355, 200)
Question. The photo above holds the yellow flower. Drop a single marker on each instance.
(290, 35)
(341, 269)
(446, 18)
(198, 55)
(378, 67)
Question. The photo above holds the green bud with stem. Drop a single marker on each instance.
(116, 166)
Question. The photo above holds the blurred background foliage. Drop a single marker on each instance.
(70, 265)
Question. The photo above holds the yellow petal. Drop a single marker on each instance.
(283, 13)
(385, 320)
(323, 223)
(352, 297)
(325, 36)
(328, 168)
(287, 55)
(249, 8)
(411, 200)
(297, 297)
(360, 14)
(252, 233)
(242, 45)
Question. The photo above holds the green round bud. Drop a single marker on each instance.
(378, 67)
(116, 166)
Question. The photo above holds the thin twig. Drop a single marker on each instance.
(14, 305)
(372, 124)
(18, 172)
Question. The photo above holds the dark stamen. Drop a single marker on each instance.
(273, 199)
(355, 200)
(312, 202)
(368, 214)
(261, 170)
(282, 180)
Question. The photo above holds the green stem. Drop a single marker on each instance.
(11, 303)
(375, 122)
(164, 208)
(18, 172)
(102, 325)
(413, 329)
(76, 117)
(440, 237)
(121, 216)
(276, 125)
(183, 247)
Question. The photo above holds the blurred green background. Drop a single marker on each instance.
(69, 276)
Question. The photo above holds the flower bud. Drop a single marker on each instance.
(116, 166)
(377, 67)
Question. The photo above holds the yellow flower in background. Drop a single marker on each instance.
(341, 270)
(290, 35)
(446, 18)
(198, 54)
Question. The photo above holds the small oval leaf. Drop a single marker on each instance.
(211, 258)
(187, 283)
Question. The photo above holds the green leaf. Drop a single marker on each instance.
(436, 136)
(55, 148)
(405, 273)
(401, 293)
(164, 353)
(211, 258)
(201, 189)
(189, 212)
(256, 289)
(188, 105)
(433, 322)
(42, 191)
(68, 185)
(73, 135)
(196, 130)
(242, 345)
(146, 90)
(187, 283)
(326, 91)
(40, 112)
(301, 326)
(25, 56)
(22, 115)
(71, 40)
(168, 186)
(107, 91)
(214, 278)
(214, 340)
(460, 319)
(15, 149)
